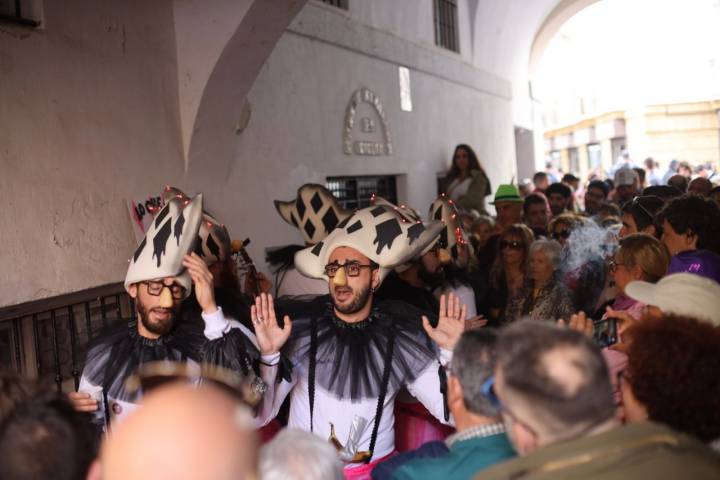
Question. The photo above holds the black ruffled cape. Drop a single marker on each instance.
(350, 358)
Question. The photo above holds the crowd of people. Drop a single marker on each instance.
(574, 334)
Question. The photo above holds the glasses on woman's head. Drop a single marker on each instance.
(352, 269)
(636, 202)
(155, 287)
(513, 244)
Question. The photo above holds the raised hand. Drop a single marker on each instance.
(269, 335)
(203, 280)
(579, 322)
(451, 322)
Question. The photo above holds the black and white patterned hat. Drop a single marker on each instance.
(213, 243)
(444, 210)
(382, 232)
(315, 212)
(171, 235)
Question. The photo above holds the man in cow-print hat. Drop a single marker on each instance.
(352, 354)
(315, 212)
(161, 276)
(414, 281)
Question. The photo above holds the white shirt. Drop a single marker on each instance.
(341, 413)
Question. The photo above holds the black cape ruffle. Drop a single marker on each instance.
(119, 350)
(350, 357)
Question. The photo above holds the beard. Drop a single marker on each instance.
(431, 279)
(359, 300)
(158, 327)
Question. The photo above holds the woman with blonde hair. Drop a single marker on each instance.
(507, 274)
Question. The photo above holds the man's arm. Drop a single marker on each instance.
(427, 388)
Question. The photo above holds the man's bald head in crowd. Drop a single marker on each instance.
(554, 381)
(181, 432)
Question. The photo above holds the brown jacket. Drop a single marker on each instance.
(644, 451)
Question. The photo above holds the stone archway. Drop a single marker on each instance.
(211, 111)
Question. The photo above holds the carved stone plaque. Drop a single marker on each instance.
(366, 129)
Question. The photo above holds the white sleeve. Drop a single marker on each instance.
(216, 325)
(426, 388)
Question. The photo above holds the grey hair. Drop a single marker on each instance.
(551, 249)
(482, 220)
(299, 455)
(474, 359)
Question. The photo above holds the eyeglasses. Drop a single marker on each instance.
(565, 234)
(155, 287)
(488, 390)
(613, 266)
(352, 269)
(513, 245)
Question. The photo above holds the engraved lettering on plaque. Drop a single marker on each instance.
(371, 137)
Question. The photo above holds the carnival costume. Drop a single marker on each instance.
(120, 350)
(346, 375)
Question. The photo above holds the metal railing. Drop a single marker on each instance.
(47, 339)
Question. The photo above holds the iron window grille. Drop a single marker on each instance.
(446, 21)
(356, 192)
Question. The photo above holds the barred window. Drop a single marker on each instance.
(337, 3)
(356, 192)
(446, 20)
(24, 12)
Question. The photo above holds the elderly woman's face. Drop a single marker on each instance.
(541, 268)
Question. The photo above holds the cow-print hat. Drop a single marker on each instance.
(382, 233)
(315, 212)
(171, 235)
(213, 243)
(444, 210)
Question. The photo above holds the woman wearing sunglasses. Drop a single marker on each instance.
(507, 274)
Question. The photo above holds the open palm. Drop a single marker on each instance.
(270, 336)
(451, 322)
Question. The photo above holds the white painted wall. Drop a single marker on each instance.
(96, 108)
(88, 118)
(298, 104)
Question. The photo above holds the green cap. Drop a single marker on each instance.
(507, 193)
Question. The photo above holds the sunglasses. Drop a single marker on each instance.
(513, 245)
(565, 234)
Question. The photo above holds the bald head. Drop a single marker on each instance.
(554, 378)
(181, 433)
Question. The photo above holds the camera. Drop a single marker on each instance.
(605, 332)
